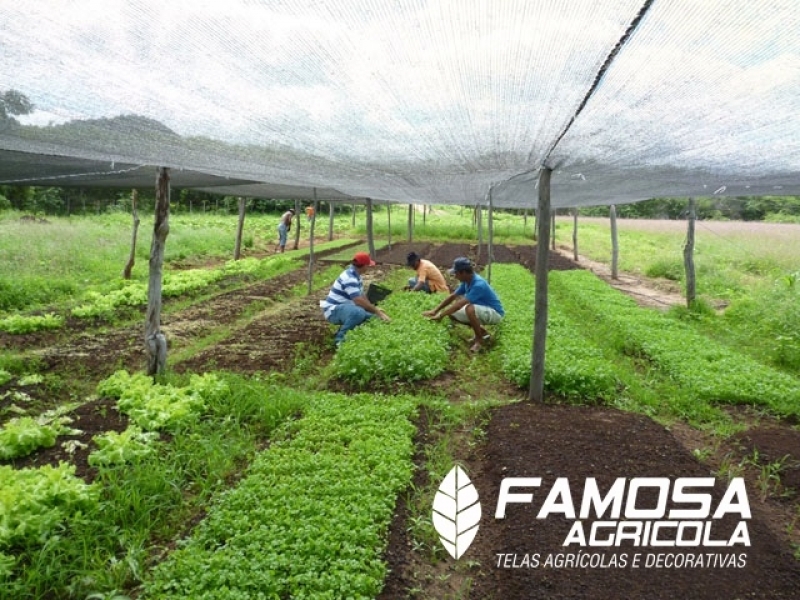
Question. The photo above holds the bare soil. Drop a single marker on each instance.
(523, 440)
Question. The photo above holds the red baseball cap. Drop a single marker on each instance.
(362, 259)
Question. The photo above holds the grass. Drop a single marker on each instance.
(732, 259)
(46, 263)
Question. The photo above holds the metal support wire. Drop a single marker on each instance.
(70, 175)
(600, 74)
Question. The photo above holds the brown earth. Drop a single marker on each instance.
(522, 440)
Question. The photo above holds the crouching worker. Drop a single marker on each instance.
(346, 305)
(474, 303)
(428, 279)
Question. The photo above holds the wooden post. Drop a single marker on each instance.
(575, 234)
(614, 243)
(353, 224)
(688, 254)
(489, 254)
(126, 272)
(389, 221)
(330, 220)
(237, 250)
(479, 216)
(297, 223)
(553, 234)
(155, 341)
(370, 234)
(536, 391)
(311, 247)
(410, 222)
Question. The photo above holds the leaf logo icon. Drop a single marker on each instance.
(456, 512)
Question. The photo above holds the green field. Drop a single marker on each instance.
(283, 482)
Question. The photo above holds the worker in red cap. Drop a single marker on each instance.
(346, 304)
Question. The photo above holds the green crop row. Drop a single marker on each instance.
(574, 366)
(310, 518)
(702, 367)
(408, 348)
(17, 324)
(60, 538)
(178, 283)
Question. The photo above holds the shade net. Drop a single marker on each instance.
(406, 100)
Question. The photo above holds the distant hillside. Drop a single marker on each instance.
(121, 123)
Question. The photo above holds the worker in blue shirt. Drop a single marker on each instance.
(474, 303)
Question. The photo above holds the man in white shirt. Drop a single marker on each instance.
(346, 304)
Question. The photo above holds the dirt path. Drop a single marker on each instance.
(652, 293)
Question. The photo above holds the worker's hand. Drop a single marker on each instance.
(383, 315)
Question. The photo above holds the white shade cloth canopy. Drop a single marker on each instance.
(424, 101)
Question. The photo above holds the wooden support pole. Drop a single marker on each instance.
(489, 252)
(688, 254)
(612, 211)
(126, 272)
(330, 220)
(370, 232)
(536, 391)
(155, 340)
(575, 234)
(410, 222)
(311, 246)
(297, 223)
(479, 216)
(237, 250)
(389, 222)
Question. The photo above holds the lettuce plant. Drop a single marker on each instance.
(17, 324)
(154, 406)
(22, 435)
(119, 448)
(34, 502)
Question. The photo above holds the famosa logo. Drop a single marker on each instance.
(686, 513)
(456, 512)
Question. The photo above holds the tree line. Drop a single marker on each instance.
(69, 201)
(57, 201)
(734, 208)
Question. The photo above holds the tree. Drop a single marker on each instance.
(15, 103)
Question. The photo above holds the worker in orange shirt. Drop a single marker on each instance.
(428, 278)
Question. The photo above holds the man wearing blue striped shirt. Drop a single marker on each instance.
(346, 305)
